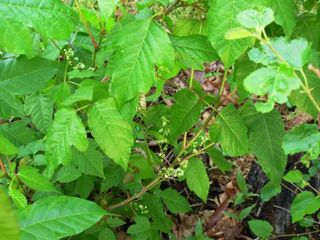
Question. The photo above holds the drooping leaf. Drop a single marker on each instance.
(304, 203)
(303, 138)
(174, 201)
(112, 133)
(9, 226)
(285, 14)
(222, 16)
(184, 113)
(34, 180)
(261, 228)
(25, 76)
(193, 51)
(197, 178)
(57, 217)
(51, 18)
(231, 132)
(141, 44)
(278, 84)
(67, 131)
(6, 147)
(40, 107)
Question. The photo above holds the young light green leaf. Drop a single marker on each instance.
(303, 138)
(174, 201)
(278, 84)
(141, 44)
(294, 176)
(34, 180)
(112, 133)
(231, 132)
(237, 33)
(184, 113)
(57, 217)
(197, 178)
(304, 203)
(18, 198)
(40, 107)
(254, 19)
(67, 131)
(6, 147)
(9, 226)
(25, 76)
(193, 51)
(83, 93)
(261, 228)
(52, 19)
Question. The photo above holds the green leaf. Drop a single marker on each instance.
(241, 182)
(106, 234)
(285, 14)
(40, 107)
(57, 217)
(67, 131)
(90, 162)
(174, 201)
(141, 44)
(25, 76)
(261, 228)
(18, 133)
(303, 138)
(83, 93)
(10, 106)
(219, 160)
(142, 227)
(34, 180)
(253, 19)
(67, 174)
(222, 16)
(278, 84)
(304, 203)
(52, 19)
(246, 212)
(6, 147)
(142, 166)
(269, 190)
(107, 7)
(197, 178)
(193, 51)
(237, 33)
(112, 133)
(294, 176)
(184, 113)
(189, 26)
(231, 132)
(265, 135)
(18, 198)
(9, 226)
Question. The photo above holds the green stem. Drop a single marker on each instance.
(191, 79)
(225, 76)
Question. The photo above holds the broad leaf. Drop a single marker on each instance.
(261, 228)
(222, 16)
(193, 51)
(308, 27)
(67, 131)
(174, 201)
(112, 133)
(9, 226)
(219, 160)
(304, 203)
(6, 147)
(255, 19)
(107, 7)
(34, 180)
(51, 18)
(57, 217)
(18, 133)
(40, 107)
(231, 132)
(197, 178)
(184, 113)
(10, 106)
(141, 44)
(22, 76)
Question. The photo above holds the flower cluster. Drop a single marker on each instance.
(142, 209)
(72, 60)
(171, 172)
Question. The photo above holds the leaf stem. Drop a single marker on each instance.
(225, 76)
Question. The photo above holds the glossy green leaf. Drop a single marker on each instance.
(140, 45)
(231, 132)
(112, 133)
(174, 201)
(278, 84)
(184, 113)
(222, 16)
(9, 226)
(304, 203)
(193, 51)
(6, 147)
(40, 108)
(25, 76)
(67, 131)
(50, 18)
(197, 178)
(57, 217)
(261, 228)
(18, 198)
(34, 180)
(303, 138)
